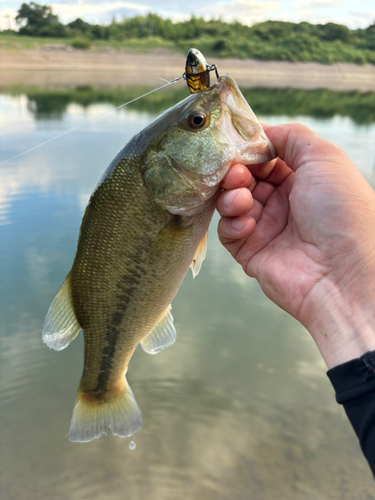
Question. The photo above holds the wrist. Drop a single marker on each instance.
(342, 323)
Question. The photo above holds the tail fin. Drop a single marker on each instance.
(91, 419)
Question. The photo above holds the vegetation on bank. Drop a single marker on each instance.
(321, 103)
(270, 40)
(12, 41)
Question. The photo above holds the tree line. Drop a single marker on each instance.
(270, 40)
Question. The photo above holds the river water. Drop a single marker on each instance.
(238, 408)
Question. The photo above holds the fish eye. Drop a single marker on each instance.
(196, 120)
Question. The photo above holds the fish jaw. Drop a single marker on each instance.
(243, 131)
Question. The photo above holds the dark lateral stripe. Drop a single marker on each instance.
(126, 287)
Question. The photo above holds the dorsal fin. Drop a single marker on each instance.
(61, 325)
(162, 335)
(199, 256)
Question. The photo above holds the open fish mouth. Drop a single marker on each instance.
(245, 134)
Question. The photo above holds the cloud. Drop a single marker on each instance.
(68, 12)
(319, 4)
(7, 19)
(363, 18)
(245, 11)
(334, 11)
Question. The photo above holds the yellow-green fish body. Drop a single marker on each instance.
(145, 225)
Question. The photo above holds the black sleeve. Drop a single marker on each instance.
(354, 383)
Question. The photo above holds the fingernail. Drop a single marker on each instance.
(237, 223)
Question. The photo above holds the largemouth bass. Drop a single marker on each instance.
(146, 223)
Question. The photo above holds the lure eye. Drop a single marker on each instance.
(196, 120)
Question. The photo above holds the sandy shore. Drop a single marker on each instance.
(54, 67)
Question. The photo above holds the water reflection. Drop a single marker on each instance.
(239, 407)
(319, 103)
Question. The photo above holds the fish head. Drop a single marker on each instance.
(196, 141)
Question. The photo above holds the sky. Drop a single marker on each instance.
(354, 14)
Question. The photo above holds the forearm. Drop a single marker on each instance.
(342, 321)
(343, 328)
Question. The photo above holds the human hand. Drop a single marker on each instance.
(304, 226)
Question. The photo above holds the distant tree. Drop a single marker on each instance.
(333, 31)
(368, 40)
(80, 26)
(38, 20)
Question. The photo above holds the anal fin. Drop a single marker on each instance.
(61, 325)
(162, 335)
(199, 256)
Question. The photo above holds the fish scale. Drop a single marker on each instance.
(139, 266)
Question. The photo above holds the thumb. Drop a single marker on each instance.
(296, 144)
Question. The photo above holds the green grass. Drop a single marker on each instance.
(16, 42)
(80, 43)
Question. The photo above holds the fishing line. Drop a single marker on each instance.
(175, 80)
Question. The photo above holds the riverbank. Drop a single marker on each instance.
(66, 68)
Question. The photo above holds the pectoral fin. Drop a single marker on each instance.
(199, 256)
(162, 335)
(61, 325)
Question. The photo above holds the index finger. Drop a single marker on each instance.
(275, 171)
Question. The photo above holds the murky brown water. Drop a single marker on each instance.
(239, 408)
